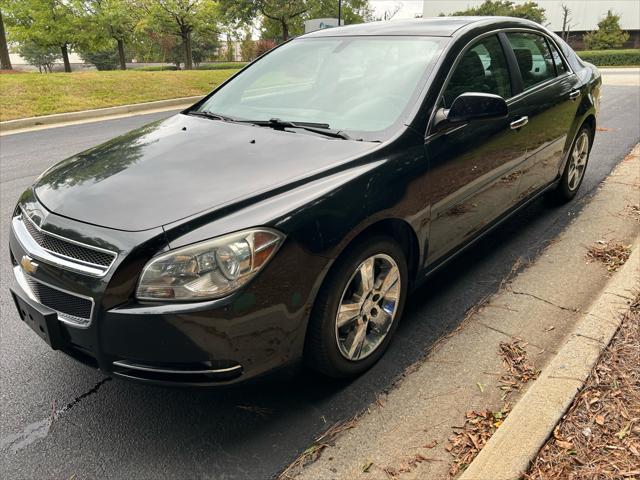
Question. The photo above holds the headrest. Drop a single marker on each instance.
(469, 69)
(524, 58)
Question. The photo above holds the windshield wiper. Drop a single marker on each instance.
(278, 124)
(210, 115)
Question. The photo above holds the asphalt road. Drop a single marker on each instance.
(114, 429)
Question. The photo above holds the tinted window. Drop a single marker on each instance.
(533, 56)
(483, 68)
(561, 68)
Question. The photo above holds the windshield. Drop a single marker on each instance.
(361, 84)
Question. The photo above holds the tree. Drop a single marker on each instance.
(282, 19)
(39, 56)
(566, 22)
(283, 12)
(353, 11)
(182, 18)
(609, 34)
(46, 23)
(506, 8)
(248, 48)
(107, 21)
(5, 60)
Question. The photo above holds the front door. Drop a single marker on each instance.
(472, 177)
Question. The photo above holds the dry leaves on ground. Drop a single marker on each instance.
(480, 425)
(610, 253)
(599, 437)
(312, 453)
(467, 442)
(519, 369)
(408, 465)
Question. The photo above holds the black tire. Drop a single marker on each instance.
(565, 191)
(322, 352)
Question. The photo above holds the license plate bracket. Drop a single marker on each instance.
(41, 320)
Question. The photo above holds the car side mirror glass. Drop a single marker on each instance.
(477, 106)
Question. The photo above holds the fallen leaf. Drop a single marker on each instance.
(563, 444)
(600, 419)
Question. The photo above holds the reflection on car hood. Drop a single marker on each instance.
(178, 167)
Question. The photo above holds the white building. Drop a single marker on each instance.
(583, 17)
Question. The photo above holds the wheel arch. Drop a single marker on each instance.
(399, 230)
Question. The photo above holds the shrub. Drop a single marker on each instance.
(611, 58)
(221, 66)
(156, 68)
(39, 56)
(102, 59)
(263, 46)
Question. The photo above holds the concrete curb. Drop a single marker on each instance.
(508, 453)
(96, 114)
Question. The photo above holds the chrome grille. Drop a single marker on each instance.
(64, 252)
(70, 308)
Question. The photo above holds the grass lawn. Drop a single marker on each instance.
(34, 94)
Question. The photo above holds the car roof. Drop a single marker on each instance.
(432, 26)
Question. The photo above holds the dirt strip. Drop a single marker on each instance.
(411, 432)
(599, 437)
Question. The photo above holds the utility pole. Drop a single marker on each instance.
(339, 12)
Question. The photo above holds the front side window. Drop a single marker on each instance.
(561, 68)
(533, 57)
(361, 84)
(482, 68)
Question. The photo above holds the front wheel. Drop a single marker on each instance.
(357, 309)
(576, 165)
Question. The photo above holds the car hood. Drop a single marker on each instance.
(175, 168)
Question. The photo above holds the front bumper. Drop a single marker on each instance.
(229, 340)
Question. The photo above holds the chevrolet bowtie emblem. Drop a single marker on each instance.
(28, 264)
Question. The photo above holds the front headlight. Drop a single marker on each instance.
(210, 269)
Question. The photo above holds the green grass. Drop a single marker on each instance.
(611, 58)
(34, 94)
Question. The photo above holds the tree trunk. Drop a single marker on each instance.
(123, 60)
(5, 60)
(188, 56)
(65, 58)
(285, 30)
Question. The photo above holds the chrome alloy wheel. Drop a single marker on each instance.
(368, 307)
(578, 161)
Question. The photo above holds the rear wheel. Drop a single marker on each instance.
(358, 308)
(576, 165)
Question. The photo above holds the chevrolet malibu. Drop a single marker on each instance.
(288, 214)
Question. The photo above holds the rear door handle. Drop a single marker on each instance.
(575, 94)
(519, 123)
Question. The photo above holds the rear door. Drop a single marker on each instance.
(471, 166)
(550, 101)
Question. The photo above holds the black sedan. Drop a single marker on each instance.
(288, 214)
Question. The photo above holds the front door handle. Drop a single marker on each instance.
(519, 123)
(575, 94)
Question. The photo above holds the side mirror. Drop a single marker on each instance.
(477, 106)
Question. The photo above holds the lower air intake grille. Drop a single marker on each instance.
(70, 307)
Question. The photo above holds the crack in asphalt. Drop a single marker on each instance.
(568, 309)
(40, 429)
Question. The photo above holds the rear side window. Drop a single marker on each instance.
(534, 58)
(561, 68)
(482, 68)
